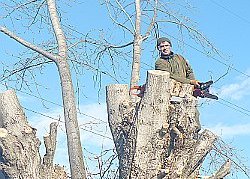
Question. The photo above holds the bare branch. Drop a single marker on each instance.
(126, 14)
(100, 44)
(19, 7)
(22, 69)
(196, 34)
(28, 45)
(222, 149)
(37, 12)
(77, 167)
(152, 21)
(61, 40)
(114, 20)
(222, 76)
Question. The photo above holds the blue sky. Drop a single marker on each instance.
(224, 23)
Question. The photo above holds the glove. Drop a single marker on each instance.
(196, 83)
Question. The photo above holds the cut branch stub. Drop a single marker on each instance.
(50, 145)
(117, 96)
(12, 116)
(48, 170)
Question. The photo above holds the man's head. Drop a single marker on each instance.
(164, 45)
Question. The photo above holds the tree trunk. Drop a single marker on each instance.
(158, 136)
(19, 145)
(70, 114)
(135, 73)
(71, 124)
(77, 167)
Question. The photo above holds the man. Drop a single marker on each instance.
(179, 70)
(175, 64)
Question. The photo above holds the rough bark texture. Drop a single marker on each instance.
(19, 145)
(157, 137)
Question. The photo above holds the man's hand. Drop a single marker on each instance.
(195, 83)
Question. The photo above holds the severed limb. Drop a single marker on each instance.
(50, 144)
(223, 171)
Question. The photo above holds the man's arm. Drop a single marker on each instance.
(190, 73)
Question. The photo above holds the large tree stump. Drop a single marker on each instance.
(19, 145)
(158, 136)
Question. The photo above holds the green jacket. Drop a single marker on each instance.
(178, 68)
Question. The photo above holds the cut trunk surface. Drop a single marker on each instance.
(158, 137)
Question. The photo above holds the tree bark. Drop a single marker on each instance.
(157, 137)
(135, 73)
(19, 145)
(70, 114)
(77, 167)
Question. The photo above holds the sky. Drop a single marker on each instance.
(225, 23)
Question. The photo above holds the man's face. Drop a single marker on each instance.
(164, 48)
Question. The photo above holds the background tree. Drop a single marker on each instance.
(70, 113)
(43, 15)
